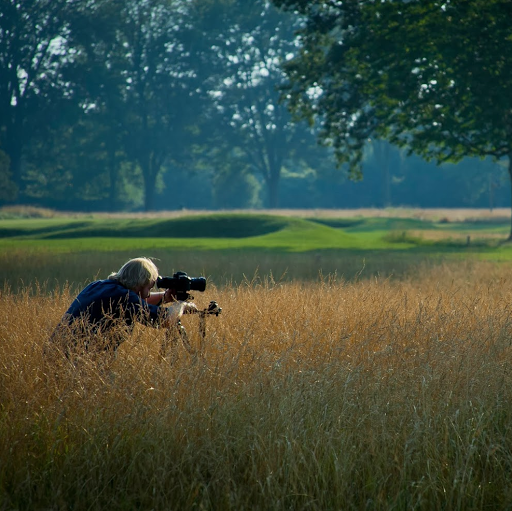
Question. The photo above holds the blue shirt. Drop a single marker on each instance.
(105, 302)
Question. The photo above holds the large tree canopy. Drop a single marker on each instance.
(433, 76)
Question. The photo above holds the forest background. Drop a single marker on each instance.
(170, 104)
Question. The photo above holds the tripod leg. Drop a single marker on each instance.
(170, 343)
(202, 332)
(184, 339)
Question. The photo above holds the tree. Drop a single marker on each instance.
(99, 74)
(142, 76)
(322, 85)
(432, 76)
(251, 115)
(32, 54)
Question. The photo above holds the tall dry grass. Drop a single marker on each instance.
(376, 394)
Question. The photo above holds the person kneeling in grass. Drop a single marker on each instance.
(105, 312)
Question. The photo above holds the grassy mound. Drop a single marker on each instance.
(207, 226)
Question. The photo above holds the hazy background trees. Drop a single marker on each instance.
(165, 104)
(432, 77)
(33, 57)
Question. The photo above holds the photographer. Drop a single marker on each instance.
(105, 311)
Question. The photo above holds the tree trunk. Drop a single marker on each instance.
(150, 167)
(14, 151)
(150, 174)
(113, 177)
(273, 190)
(387, 178)
(382, 157)
(149, 193)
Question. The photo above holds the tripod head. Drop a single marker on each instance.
(213, 308)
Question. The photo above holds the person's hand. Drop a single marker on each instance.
(189, 308)
(177, 309)
(169, 295)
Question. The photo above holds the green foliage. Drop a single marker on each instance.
(259, 135)
(437, 75)
(33, 59)
(105, 100)
(433, 77)
(147, 86)
(233, 188)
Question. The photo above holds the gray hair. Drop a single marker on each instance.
(135, 273)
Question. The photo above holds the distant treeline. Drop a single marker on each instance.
(168, 104)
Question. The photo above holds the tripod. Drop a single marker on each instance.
(174, 335)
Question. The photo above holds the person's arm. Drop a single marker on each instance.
(177, 309)
(146, 313)
(156, 298)
(161, 297)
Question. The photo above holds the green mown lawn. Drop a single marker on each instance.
(236, 246)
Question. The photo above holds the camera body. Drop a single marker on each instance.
(182, 284)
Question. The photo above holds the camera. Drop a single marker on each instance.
(182, 284)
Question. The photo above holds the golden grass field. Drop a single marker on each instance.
(368, 394)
